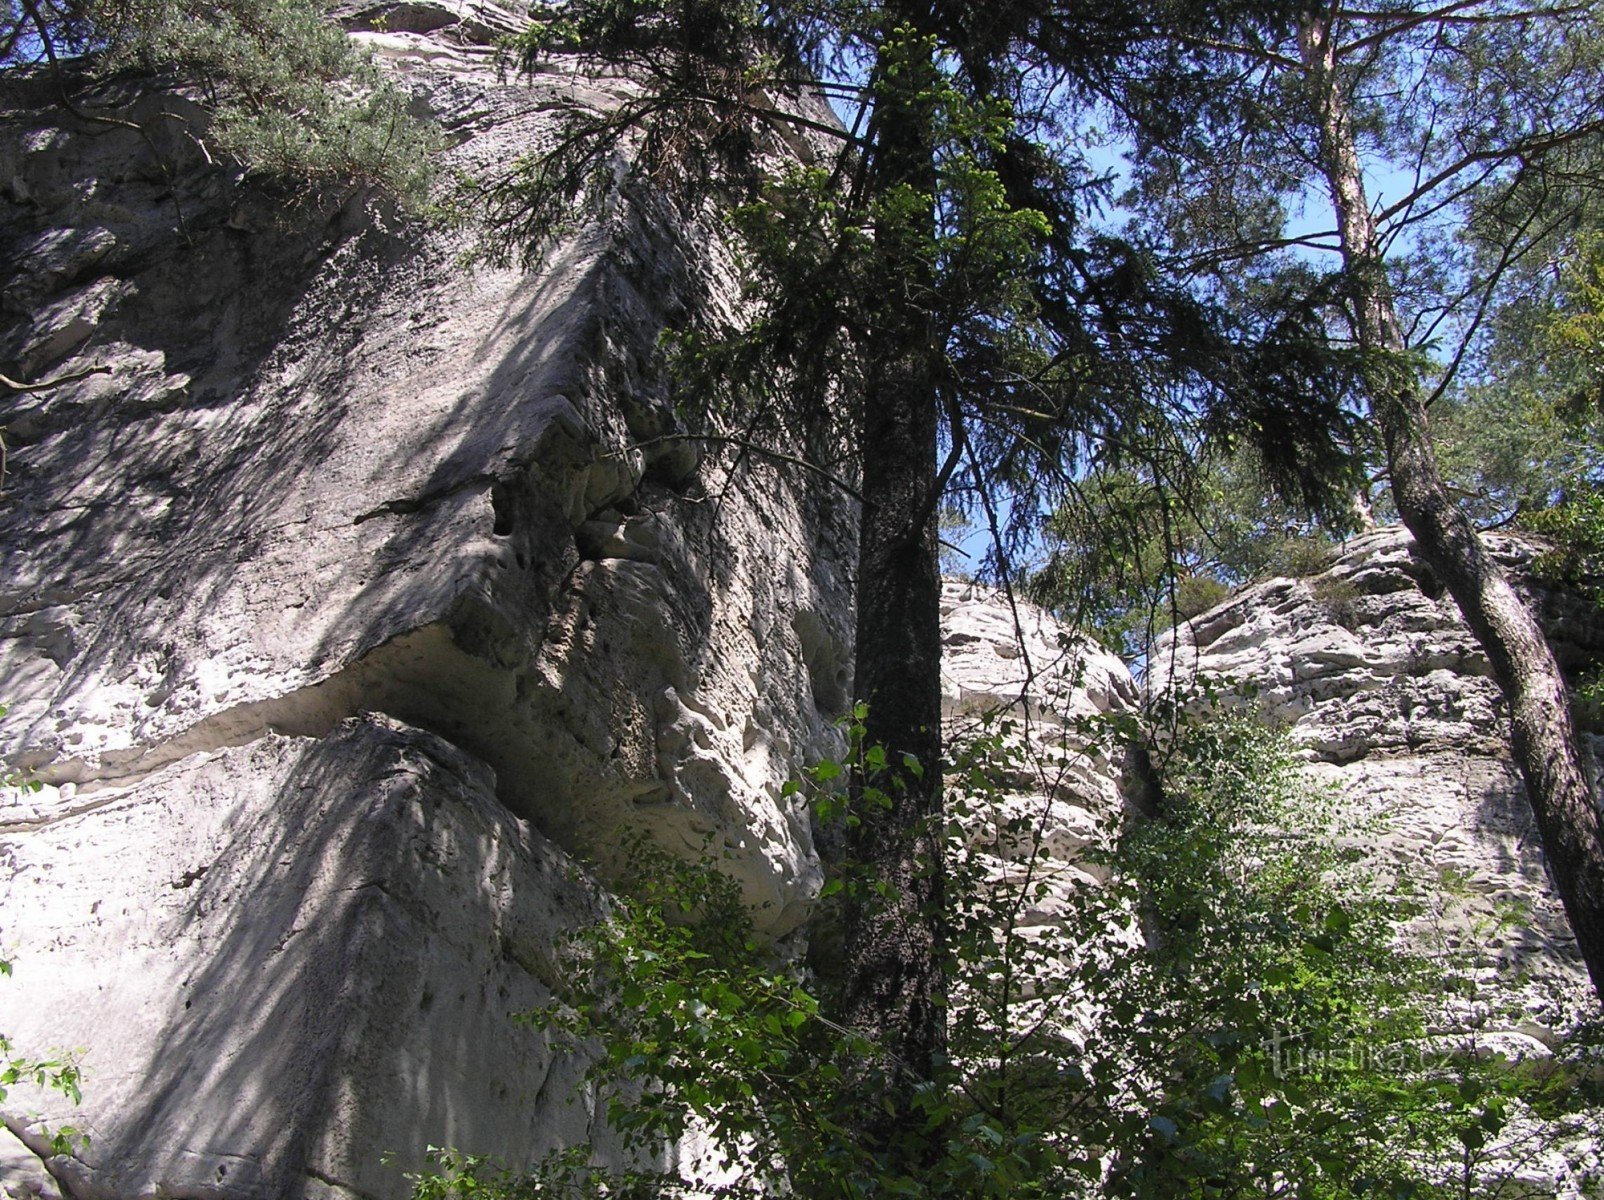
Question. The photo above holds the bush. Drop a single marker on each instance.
(1575, 531)
(1228, 1014)
(290, 96)
(1196, 594)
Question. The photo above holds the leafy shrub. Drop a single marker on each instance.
(291, 96)
(1575, 530)
(1228, 1013)
(1338, 599)
(1196, 594)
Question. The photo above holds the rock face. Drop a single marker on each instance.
(1378, 680)
(339, 616)
(279, 958)
(1391, 699)
(363, 596)
(1014, 661)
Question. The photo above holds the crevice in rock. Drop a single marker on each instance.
(412, 504)
(71, 812)
(503, 508)
(479, 697)
(405, 673)
(38, 1143)
(339, 1185)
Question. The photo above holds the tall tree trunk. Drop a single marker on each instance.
(893, 987)
(1544, 740)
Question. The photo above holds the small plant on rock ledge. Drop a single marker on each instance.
(289, 96)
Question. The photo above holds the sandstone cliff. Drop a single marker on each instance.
(338, 613)
(362, 596)
(1389, 697)
(1391, 701)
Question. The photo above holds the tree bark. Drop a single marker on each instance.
(893, 986)
(1543, 738)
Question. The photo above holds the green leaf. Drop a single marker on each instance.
(1164, 1127)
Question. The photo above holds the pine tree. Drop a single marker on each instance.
(923, 289)
(1448, 98)
(288, 96)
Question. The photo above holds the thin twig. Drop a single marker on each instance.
(7, 382)
(60, 380)
(44, 1150)
(42, 28)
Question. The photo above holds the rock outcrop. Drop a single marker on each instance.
(1390, 698)
(1011, 661)
(360, 608)
(358, 597)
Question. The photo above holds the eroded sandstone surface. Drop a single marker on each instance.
(1390, 700)
(364, 597)
(1389, 697)
(354, 601)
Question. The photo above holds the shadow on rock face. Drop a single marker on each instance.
(359, 584)
(319, 964)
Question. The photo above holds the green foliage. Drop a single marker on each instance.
(59, 1073)
(1277, 977)
(1129, 553)
(1228, 1013)
(1481, 136)
(1231, 931)
(1047, 349)
(1514, 448)
(1577, 329)
(1575, 530)
(699, 1022)
(290, 96)
(1574, 558)
(1529, 432)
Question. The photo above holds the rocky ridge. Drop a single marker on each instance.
(1390, 700)
(1388, 696)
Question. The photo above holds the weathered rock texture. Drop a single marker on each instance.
(1391, 701)
(1390, 698)
(1014, 662)
(338, 615)
(363, 595)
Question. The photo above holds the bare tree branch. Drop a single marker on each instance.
(45, 385)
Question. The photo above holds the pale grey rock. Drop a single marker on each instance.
(280, 959)
(1005, 660)
(345, 612)
(1011, 671)
(998, 651)
(365, 474)
(1389, 699)
(331, 477)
